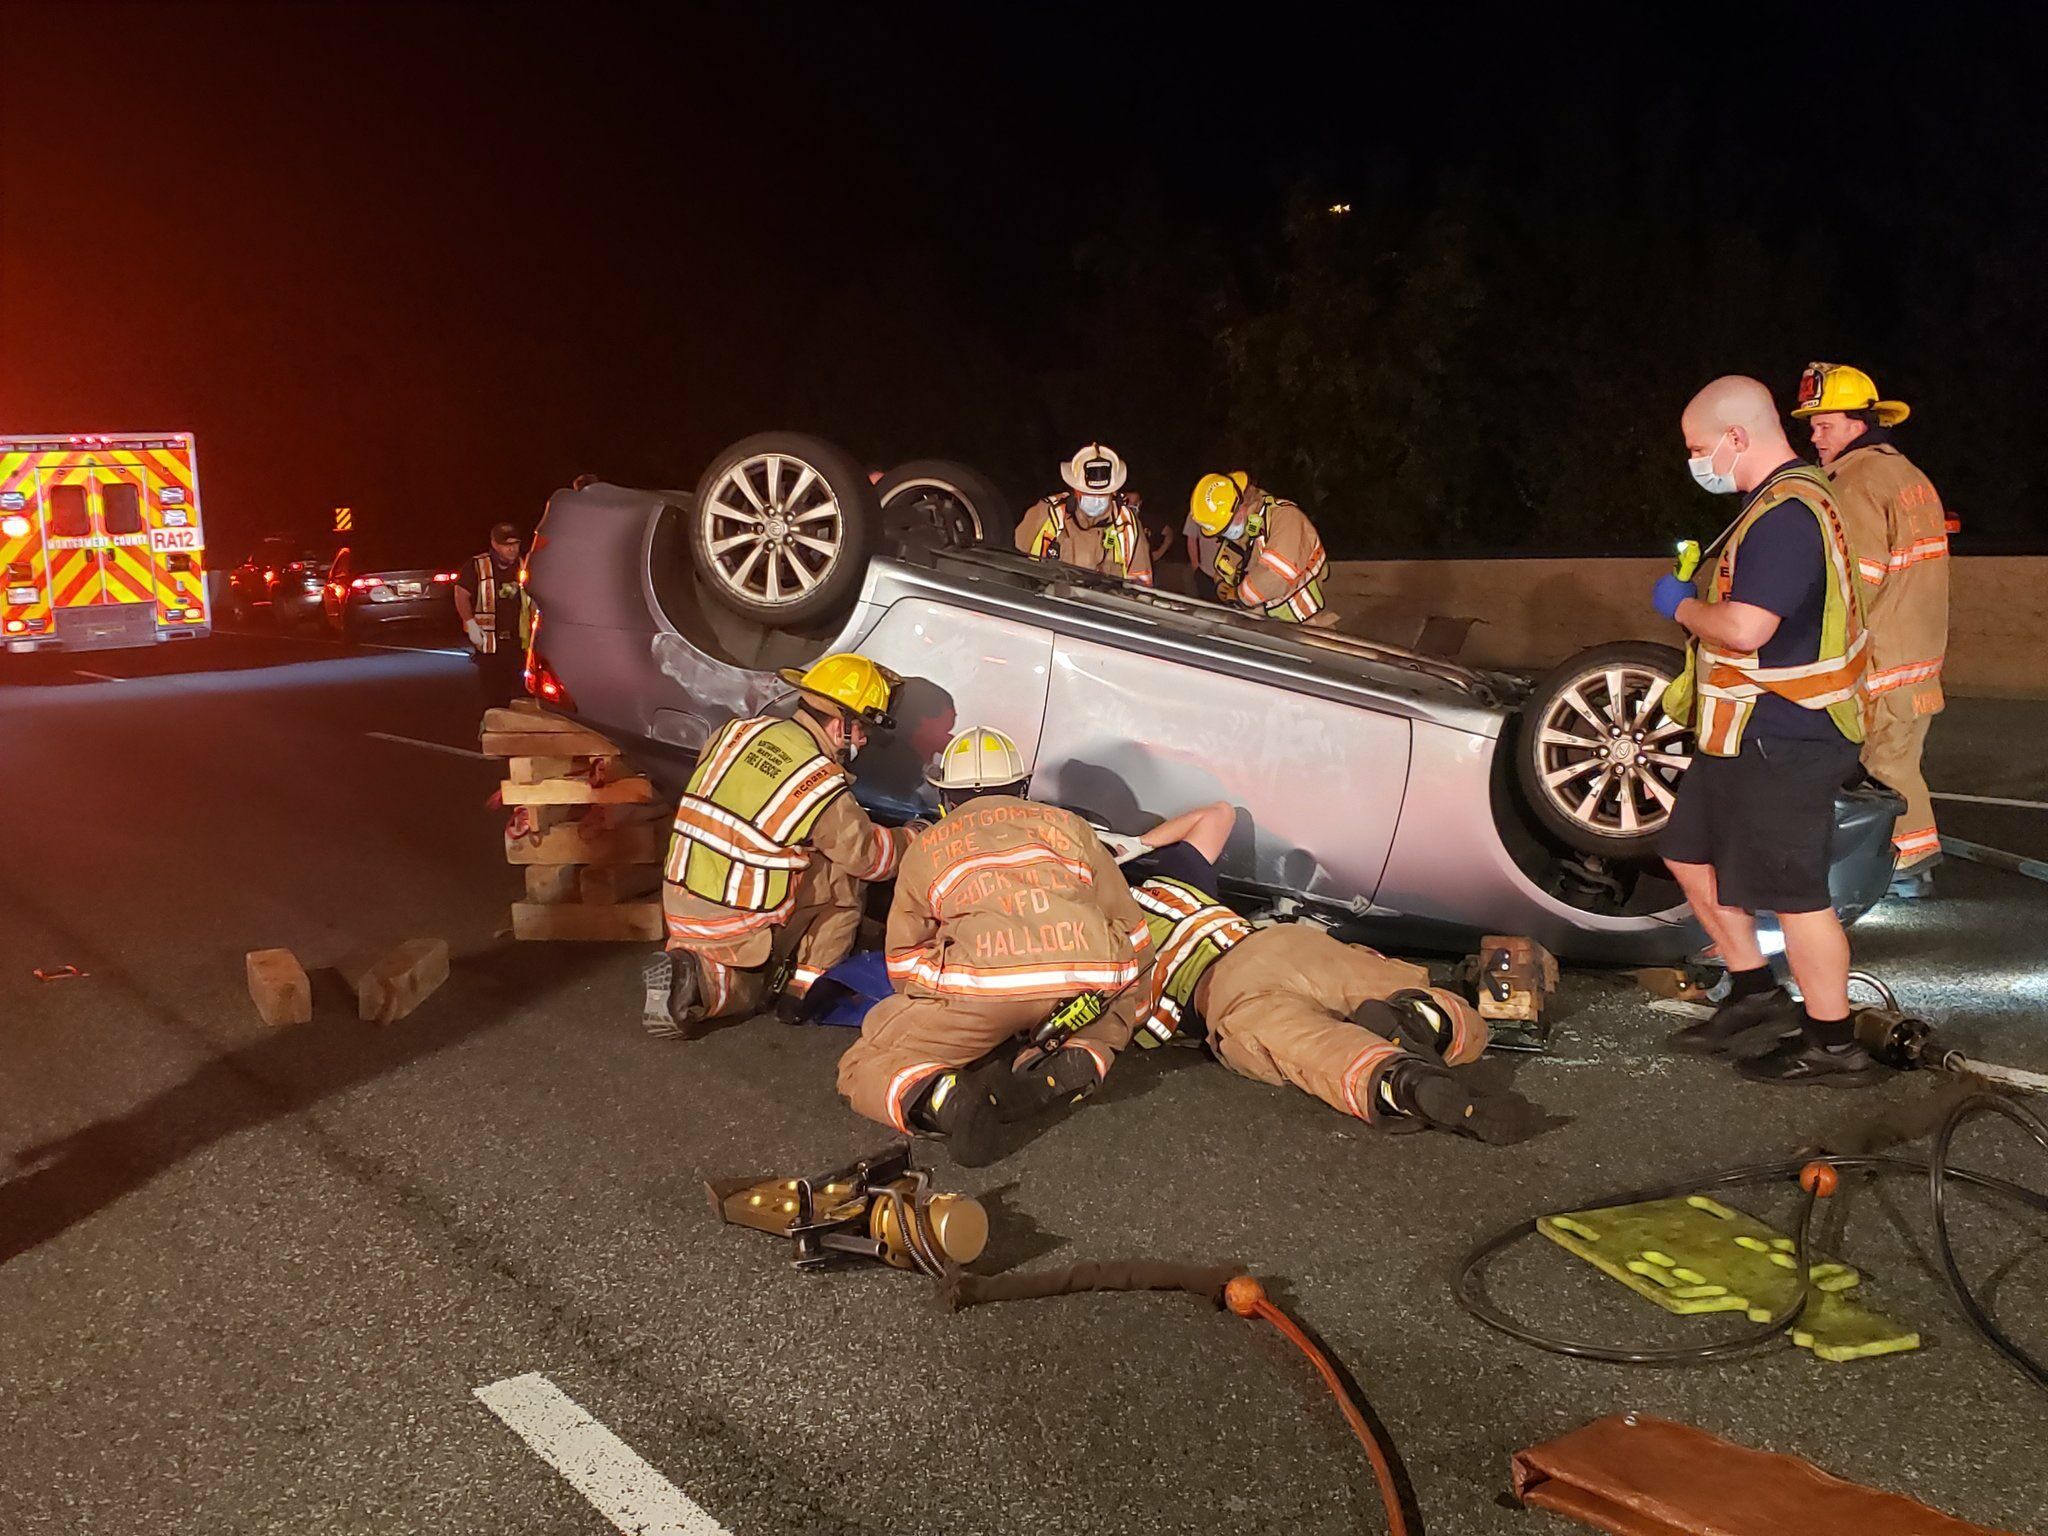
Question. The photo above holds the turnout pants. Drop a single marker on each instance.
(734, 976)
(1892, 744)
(910, 1038)
(1278, 1008)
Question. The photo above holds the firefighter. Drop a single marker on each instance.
(771, 854)
(1288, 1004)
(1262, 552)
(1900, 534)
(488, 601)
(1773, 690)
(1094, 524)
(1006, 913)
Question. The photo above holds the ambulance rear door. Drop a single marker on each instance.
(24, 561)
(102, 577)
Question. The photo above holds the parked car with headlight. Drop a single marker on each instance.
(1397, 796)
(373, 588)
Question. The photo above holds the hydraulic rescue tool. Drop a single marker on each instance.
(878, 1207)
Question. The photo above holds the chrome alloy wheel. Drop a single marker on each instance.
(774, 530)
(1608, 756)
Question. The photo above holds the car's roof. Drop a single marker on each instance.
(373, 554)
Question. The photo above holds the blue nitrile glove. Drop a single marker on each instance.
(1669, 593)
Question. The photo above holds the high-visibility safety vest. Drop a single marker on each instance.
(1121, 532)
(1190, 933)
(486, 606)
(1726, 685)
(759, 787)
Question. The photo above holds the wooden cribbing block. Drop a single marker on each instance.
(397, 982)
(278, 986)
(603, 884)
(546, 744)
(526, 715)
(576, 791)
(623, 922)
(567, 844)
(538, 770)
(552, 884)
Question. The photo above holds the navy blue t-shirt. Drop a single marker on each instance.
(1782, 566)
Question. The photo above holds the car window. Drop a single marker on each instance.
(68, 516)
(121, 506)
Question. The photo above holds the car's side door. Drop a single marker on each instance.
(1133, 738)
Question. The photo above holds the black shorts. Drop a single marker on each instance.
(1764, 819)
(1176, 861)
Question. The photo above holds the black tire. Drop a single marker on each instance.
(939, 501)
(783, 507)
(1597, 778)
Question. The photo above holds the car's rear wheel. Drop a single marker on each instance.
(937, 500)
(782, 528)
(1598, 759)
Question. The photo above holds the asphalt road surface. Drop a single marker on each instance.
(252, 1280)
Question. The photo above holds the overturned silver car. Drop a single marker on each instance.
(1404, 799)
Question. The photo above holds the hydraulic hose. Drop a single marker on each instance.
(1816, 1176)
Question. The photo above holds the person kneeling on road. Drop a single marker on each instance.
(1289, 1004)
(1005, 913)
(1772, 689)
(771, 854)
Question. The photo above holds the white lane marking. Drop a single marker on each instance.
(103, 677)
(417, 650)
(596, 1463)
(431, 746)
(2018, 805)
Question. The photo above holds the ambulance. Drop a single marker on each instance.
(100, 541)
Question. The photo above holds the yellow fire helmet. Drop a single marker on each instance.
(847, 683)
(1838, 387)
(1215, 501)
(979, 757)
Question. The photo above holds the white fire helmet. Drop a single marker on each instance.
(1095, 471)
(979, 757)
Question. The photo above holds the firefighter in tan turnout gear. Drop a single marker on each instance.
(1094, 523)
(1900, 534)
(1290, 1005)
(771, 854)
(1006, 915)
(1262, 552)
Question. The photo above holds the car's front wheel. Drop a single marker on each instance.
(782, 527)
(1598, 759)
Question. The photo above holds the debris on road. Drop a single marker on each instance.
(589, 836)
(60, 973)
(391, 986)
(1608, 1473)
(278, 987)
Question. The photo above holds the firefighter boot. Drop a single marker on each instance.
(1064, 1077)
(960, 1106)
(672, 1003)
(1440, 1097)
(1411, 1017)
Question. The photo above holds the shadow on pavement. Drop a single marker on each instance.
(289, 1070)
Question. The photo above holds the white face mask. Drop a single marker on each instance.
(1711, 480)
(1095, 506)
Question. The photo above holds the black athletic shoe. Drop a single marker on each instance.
(1743, 1025)
(1801, 1061)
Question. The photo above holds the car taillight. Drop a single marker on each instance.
(542, 683)
(444, 576)
(270, 576)
(363, 583)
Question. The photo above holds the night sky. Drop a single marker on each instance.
(433, 261)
